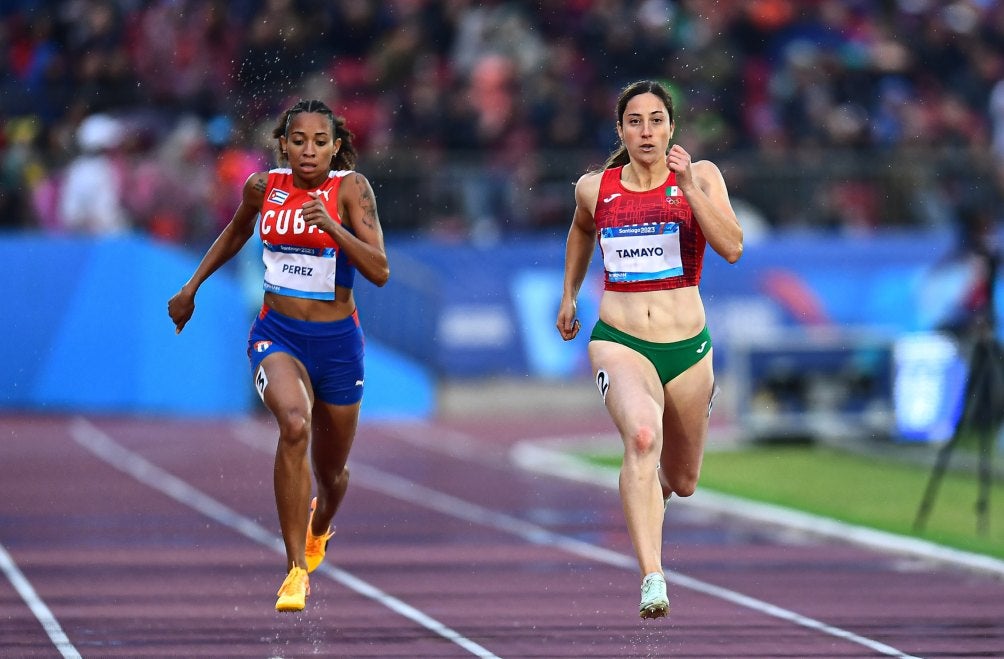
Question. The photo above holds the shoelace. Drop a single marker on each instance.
(292, 580)
(651, 585)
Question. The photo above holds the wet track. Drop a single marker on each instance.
(158, 538)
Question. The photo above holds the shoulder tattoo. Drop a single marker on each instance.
(366, 201)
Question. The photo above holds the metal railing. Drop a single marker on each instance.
(851, 189)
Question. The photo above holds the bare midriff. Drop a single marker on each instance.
(316, 311)
(657, 316)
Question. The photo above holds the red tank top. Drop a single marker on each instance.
(301, 260)
(650, 240)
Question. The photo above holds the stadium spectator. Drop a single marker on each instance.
(90, 197)
(783, 90)
(492, 142)
(23, 175)
(185, 51)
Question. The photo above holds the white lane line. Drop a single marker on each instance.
(420, 495)
(37, 606)
(542, 456)
(100, 444)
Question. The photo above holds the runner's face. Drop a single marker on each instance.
(309, 146)
(645, 128)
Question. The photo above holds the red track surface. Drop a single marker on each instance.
(158, 538)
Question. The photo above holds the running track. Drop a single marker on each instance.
(124, 537)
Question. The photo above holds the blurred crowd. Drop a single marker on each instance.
(147, 115)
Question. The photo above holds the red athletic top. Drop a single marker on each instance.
(650, 240)
(301, 261)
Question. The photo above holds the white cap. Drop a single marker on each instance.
(98, 132)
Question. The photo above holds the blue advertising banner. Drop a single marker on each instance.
(477, 311)
(88, 331)
(832, 306)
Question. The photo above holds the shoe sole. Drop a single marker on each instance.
(655, 611)
(289, 607)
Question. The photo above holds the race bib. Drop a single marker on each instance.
(307, 272)
(641, 252)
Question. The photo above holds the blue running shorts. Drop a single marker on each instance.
(332, 353)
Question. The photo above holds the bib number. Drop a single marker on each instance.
(642, 252)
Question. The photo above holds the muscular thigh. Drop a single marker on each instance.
(685, 418)
(629, 385)
(283, 384)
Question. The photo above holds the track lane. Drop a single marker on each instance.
(509, 594)
(471, 481)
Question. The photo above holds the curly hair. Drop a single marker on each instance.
(345, 158)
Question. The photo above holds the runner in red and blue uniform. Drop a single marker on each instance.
(318, 225)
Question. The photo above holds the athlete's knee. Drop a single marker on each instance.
(685, 488)
(294, 426)
(642, 440)
(683, 484)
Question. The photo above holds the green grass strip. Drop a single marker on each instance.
(858, 489)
